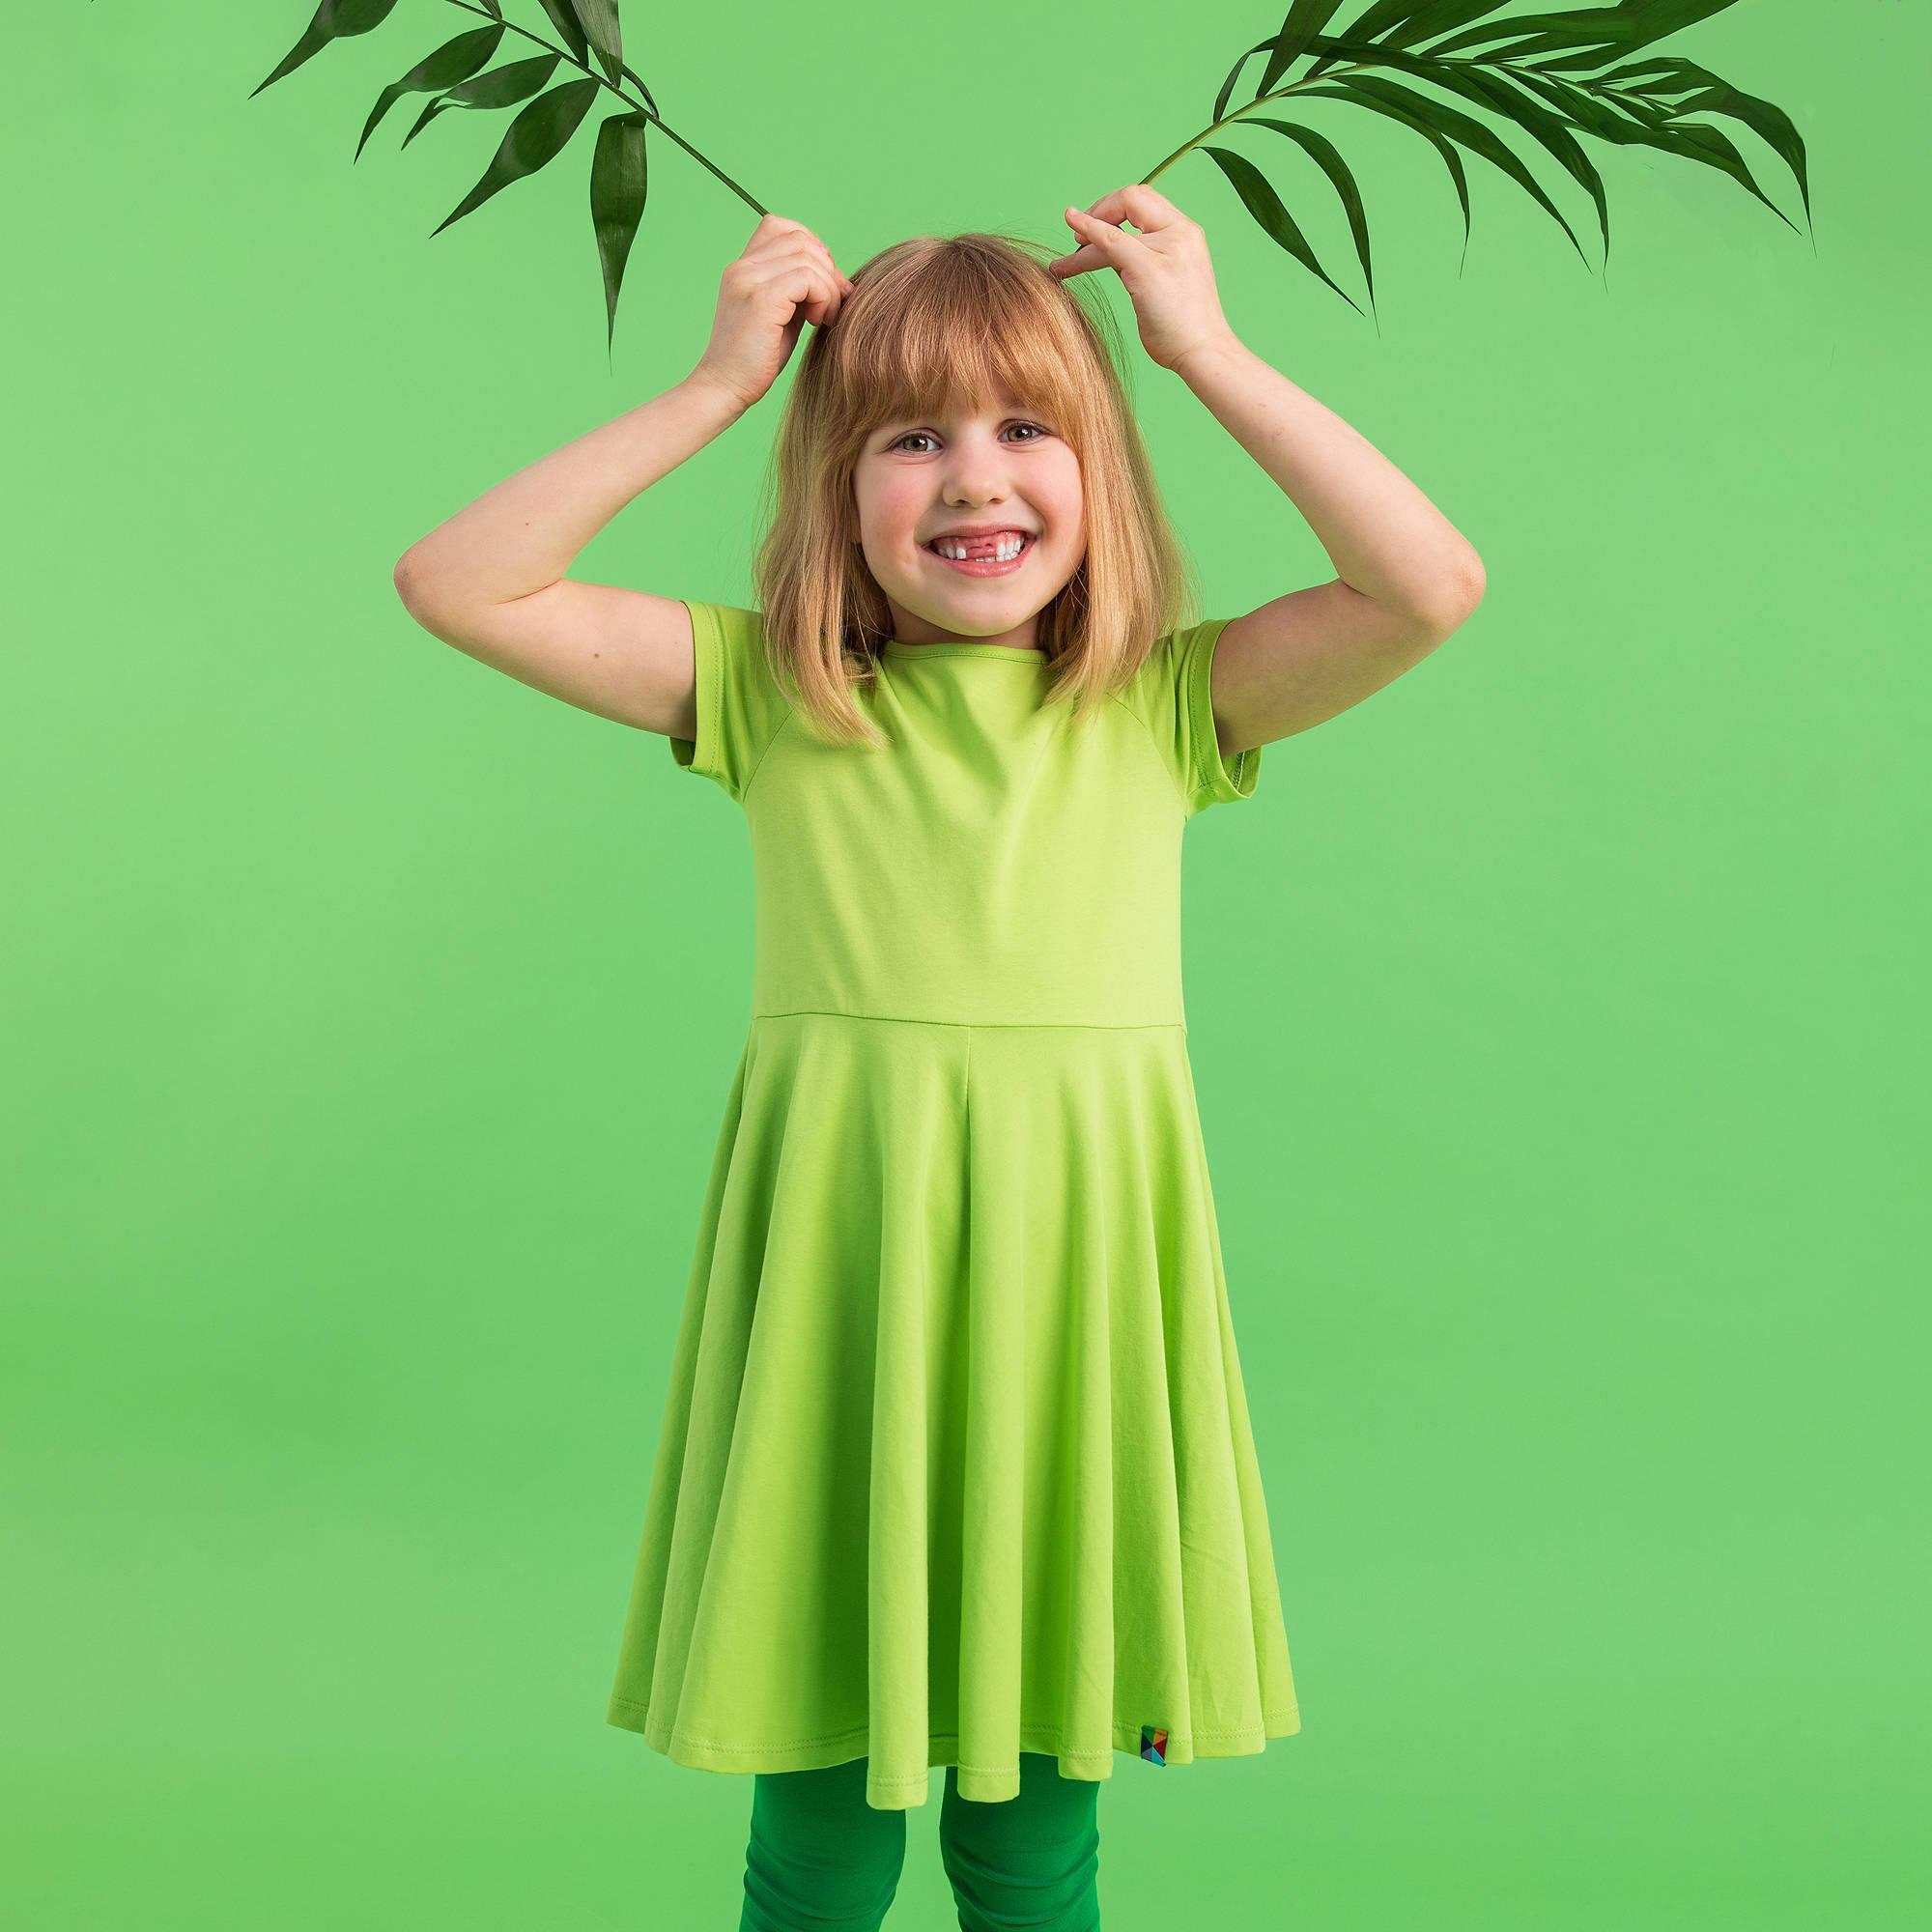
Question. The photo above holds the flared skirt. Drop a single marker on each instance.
(955, 1459)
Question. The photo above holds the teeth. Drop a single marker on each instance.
(960, 550)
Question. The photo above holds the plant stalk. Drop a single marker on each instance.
(604, 80)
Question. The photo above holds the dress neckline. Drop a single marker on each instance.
(1017, 654)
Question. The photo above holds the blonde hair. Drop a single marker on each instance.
(933, 321)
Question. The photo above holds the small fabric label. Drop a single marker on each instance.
(1154, 1743)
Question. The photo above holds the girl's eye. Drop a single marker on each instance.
(900, 442)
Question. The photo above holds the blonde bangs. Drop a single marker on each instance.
(964, 330)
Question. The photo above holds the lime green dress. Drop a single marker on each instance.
(956, 1461)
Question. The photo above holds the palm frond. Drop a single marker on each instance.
(457, 75)
(1547, 74)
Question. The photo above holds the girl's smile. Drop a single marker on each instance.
(983, 557)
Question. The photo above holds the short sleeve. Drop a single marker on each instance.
(740, 704)
(1173, 696)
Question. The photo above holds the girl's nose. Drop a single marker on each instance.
(976, 470)
(970, 483)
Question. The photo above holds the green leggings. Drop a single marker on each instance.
(822, 1860)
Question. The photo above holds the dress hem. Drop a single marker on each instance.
(980, 1782)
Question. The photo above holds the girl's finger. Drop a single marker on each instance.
(1083, 259)
(824, 298)
(1146, 208)
(798, 255)
(819, 244)
(838, 274)
(1102, 237)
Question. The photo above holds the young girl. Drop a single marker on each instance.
(956, 1466)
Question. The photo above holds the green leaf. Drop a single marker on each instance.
(1228, 86)
(500, 87)
(1397, 21)
(534, 138)
(1265, 205)
(1591, 33)
(1325, 156)
(592, 24)
(1653, 123)
(1612, 104)
(1381, 14)
(1587, 108)
(454, 61)
(1305, 19)
(334, 20)
(599, 21)
(1697, 141)
(1494, 92)
(619, 182)
(1400, 23)
(1473, 135)
(637, 80)
(1226, 93)
(1451, 159)
(1767, 122)
(1442, 16)
(564, 17)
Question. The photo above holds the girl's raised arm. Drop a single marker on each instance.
(491, 579)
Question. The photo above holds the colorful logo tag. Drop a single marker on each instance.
(1154, 1743)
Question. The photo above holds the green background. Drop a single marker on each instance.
(1557, 1014)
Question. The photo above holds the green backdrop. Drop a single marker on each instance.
(1556, 1012)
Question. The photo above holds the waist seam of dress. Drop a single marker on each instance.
(968, 1026)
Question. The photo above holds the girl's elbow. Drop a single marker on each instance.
(1459, 606)
(411, 581)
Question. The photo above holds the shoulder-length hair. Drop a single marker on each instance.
(932, 322)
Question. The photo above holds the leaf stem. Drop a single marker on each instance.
(1259, 100)
(603, 80)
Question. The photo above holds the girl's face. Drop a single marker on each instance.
(919, 478)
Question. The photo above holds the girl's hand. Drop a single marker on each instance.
(1166, 268)
(785, 278)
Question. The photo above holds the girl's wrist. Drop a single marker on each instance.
(702, 380)
(1224, 343)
